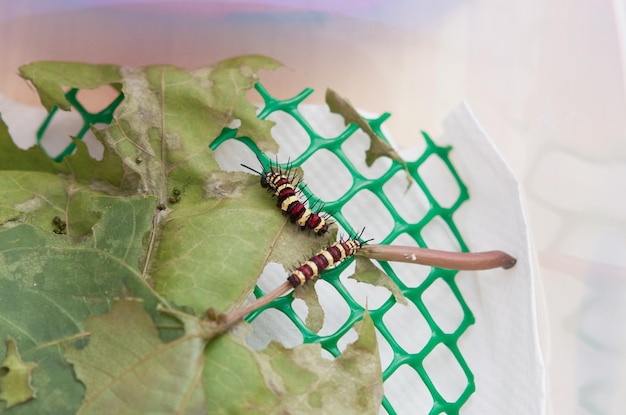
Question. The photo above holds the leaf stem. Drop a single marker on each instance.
(236, 315)
(467, 261)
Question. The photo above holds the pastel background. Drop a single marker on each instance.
(546, 80)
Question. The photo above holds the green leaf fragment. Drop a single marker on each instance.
(367, 272)
(126, 368)
(315, 317)
(15, 376)
(378, 146)
(80, 165)
(49, 78)
(295, 381)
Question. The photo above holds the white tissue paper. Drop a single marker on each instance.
(502, 347)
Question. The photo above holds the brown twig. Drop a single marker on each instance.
(432, 257)
(468, 261)
(236, 315)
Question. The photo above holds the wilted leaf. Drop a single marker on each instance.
(126, 368)
(367, 272)
(378, 147)
(295, 381)
(15, 377)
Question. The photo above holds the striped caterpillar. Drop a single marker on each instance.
(284, 185)
(328, 257)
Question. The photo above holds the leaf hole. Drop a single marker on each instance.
(4, 371)
(291, 137)
(366, 295)
(62, 126)
(350, 337)
(270, 325)
(336, 310)
(232, 153)
(96, 100)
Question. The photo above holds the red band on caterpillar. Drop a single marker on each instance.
(284, 186)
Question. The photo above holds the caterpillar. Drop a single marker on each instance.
(332, 255)
(284, 186)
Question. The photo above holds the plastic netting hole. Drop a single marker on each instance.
(96, 100)
(292, 138)
(270, 325)
(438, 235)
(325, 123)
(326, 176)
(336, 309)
(411, 275)
(412, 204)
(439, 181)
(385, 350)
(408, 327)
(355, 147)
(232, 153)
(350, 337)
(446, 373)
(366, 206)
(443, 306)
(366, 295)
(407, 392)
(56, 137)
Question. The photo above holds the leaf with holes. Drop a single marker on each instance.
(53, 277)
(79, 165)
(126, 365)
(49, 78)
(155, 219)
(295, 381)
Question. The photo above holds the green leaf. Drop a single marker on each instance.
(76, 235)
(295, 381)
(49, 78)
(80, 165)
(367, 272)
(126, 368)
(15, 377)
(49, 283)
(315, 316)
(213, 252)
(378, 146)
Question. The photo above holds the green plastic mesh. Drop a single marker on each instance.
(438, 336)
